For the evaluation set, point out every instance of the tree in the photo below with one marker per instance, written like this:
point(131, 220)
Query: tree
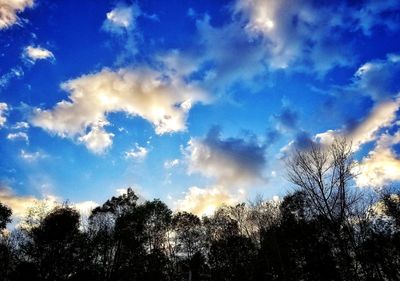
point(5, 259)
point(54, 245)
point(5, 216)
point(188, 244)
point(324, 174)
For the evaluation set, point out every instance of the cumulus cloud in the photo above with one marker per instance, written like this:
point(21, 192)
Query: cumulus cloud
point(136, 153)
point(3, 111)
point(37, 53)
point(204, 201)
point(382, 165)
point(162, 100)
point(231, 161)
point(97, 139)
point(9, 10)
point(18, 136)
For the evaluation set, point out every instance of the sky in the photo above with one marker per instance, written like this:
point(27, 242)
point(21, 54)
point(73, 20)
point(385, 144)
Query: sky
point(196, 103)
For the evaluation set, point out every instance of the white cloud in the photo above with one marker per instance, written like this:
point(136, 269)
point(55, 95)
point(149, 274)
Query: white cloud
point(31, 156)
point(382, 115)
point(121, 18)
point(379, 80)
point(21, 204)
point(382, 165)
point(97, 139)
point(120, 22)
point(37, 53)
point(9, 10)
point(204, 201)
point(169, 164)
point(21, 126)
point(3, 111)
point(137, 153)
point(85, 207)
point(18, 136)
point(158, 98)
point(15, 72)
point(231, 162)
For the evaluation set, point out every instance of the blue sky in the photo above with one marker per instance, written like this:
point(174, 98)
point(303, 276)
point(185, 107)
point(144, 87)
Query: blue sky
point(192, 102)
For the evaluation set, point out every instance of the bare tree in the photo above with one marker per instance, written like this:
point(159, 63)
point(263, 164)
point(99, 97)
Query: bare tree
point(325, 173)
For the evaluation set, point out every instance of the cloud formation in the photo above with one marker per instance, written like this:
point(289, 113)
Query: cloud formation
point(379, 79)
point(231, 161)
point(162, 100)
point(310, 32)
point(37, 53)
point(121, 18)
point(382, 165)
point(3, 111)
point(21, 204)
point(18, 136)
point(31, 156)
point(136, 153)
point(383, 115)
point(13, 73)
point(204, 201)
point(9, 10)
point(169, 164)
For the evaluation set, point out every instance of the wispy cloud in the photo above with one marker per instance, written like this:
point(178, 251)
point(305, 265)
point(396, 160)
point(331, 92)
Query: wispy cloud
point(121, 18)
point(15, 72)
point(31, 156)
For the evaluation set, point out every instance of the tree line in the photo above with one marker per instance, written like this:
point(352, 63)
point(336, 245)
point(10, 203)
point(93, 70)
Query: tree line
point(324, 229)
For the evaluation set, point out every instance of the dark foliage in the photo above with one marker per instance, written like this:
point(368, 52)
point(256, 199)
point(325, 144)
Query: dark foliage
point(322, 232)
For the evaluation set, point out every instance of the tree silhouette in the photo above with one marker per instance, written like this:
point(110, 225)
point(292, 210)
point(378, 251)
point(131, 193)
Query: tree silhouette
point(318, 232)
